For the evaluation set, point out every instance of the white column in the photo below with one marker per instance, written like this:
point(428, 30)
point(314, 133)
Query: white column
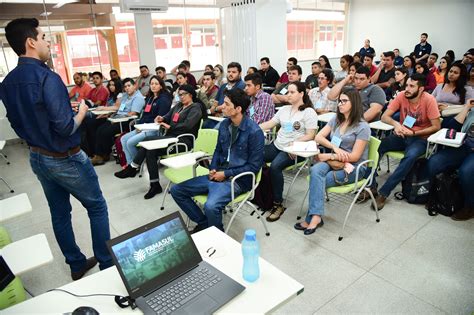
point(146, 44)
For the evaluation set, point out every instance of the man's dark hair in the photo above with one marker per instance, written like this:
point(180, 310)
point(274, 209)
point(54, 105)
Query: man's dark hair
point(18, 31)
point(210, 73)
point(297, 68)
point(182, 66)
point(369, 56)
point(181, 73)
point(356, 54)
point(97, 73)
point(294, 60)
point(435, 54)
point(363, 70)
point(160, 68)
point(266, 59)
point(419, 78)
point(239, 98)
point(256, 79)
point(186, 63)
point(113, 71)
point(316, 63)
point(132, 82)
point(425, 34)
point(329, 75)
point(390, 54)
point(144, 66)
point(235, 65)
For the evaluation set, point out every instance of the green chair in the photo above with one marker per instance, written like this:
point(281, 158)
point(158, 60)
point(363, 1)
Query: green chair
point(239, 201)
point(205, 142)
point(4, 237)
point(358, 186)
point(398, 155)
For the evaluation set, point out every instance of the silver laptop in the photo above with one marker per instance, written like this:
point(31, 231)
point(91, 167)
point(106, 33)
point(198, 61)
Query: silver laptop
point(164, 272)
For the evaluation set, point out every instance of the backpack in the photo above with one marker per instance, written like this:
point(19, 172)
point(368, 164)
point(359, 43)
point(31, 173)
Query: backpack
point(119, 154)
point(445, 195)
point(263, 198)
point(415, 186)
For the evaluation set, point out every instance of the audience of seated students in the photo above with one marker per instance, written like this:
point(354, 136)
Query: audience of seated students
point(181, 79)
point(269, 75)
point(357, 57)
point(185, 66)
point(401, 77)
point(344, 62)
point(251, 70)
point(461, 158)
point(369, 63)
point(81, 88)
point(385, 74)
point(219, 73)
point(373, 97)
point(444, 64)
point(324, 62)
point(207, 68)
point(366, 49)
point(298, 122)
point(279, 96)
point(161, 73)
point(470, 82)
point(432, 63)
point(157, 103)
point(284, 78)
point(261, 108)
point(99, 94)
point(422, 68)
point(419, 118)
point(454, 90)
point(239, 149)
point(319, 95)
point(114, 75)
point(183, 118)
point(102, 134)
point(423, 49)
point(208, 91)
point(347, 136)
point(398, 61)
point(451, 55)
point(143, 80)
point(409, 64)
point(312, 79)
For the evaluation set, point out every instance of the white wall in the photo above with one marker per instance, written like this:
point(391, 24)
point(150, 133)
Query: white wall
point(393, 24)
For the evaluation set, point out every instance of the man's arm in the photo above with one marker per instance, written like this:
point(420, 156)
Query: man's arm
point(279, 99)
point(435, 126)
point(376, 75)
point(336, 89)
point(373, 112)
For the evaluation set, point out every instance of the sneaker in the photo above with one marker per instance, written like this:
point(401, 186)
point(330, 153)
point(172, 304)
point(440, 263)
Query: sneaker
point(463, 215)
point(90, 263)
point(155, 189)
point(97, 160)
point(364, 195)
point(380, 201)
point(129, 171)
point(276, 212)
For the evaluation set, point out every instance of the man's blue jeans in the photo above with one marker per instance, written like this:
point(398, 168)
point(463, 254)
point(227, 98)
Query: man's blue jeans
point(218, 196)
point(456, 158)
point(414, 147)
point(130, 140)
point(74, 175)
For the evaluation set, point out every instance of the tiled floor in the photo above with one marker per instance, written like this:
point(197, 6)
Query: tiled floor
point(408, 263)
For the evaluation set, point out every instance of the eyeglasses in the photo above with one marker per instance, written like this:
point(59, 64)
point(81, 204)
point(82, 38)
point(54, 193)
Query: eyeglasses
point(182, 94)
point(342, 101)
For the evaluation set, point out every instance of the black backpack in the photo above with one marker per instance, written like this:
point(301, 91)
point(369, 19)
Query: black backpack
point(263, 198)
point(445, 195)
point(415, 186)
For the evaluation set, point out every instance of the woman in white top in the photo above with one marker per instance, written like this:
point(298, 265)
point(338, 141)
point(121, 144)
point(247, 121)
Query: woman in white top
point(298, 122)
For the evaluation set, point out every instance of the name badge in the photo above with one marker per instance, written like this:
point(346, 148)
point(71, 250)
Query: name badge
point(283, 91)
point(147, 108)
point(287, 126)
point(336, 141)
point(175, 117)
point(318, 104)
point(176, 97)
point(122, 107)
point(409, 121)
point(251, 111)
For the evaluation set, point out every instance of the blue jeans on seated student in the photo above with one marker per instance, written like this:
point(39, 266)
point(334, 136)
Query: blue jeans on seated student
point(61, 178)
point(218, 196)
point(323, 177)
point(461, 158)
point(130, 140)
point(279, 161)
point(414, 147)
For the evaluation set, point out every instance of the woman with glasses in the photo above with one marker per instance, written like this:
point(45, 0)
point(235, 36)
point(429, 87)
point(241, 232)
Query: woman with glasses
point(185, 117)
point(347, 135)
point(319, 95)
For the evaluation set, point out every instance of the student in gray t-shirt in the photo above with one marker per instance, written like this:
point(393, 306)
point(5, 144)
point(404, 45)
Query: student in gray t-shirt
point(372, 96)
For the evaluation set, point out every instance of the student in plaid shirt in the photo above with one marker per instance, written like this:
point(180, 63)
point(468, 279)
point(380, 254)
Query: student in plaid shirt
point(261, 107)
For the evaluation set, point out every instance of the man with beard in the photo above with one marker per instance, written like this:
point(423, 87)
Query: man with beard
point(419, 118)
point(80, 90)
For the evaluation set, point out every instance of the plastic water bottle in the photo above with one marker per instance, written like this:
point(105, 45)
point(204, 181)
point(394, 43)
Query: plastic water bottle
point(250, 252)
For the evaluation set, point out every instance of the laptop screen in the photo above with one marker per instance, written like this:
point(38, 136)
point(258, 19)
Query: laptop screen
point(154, 254)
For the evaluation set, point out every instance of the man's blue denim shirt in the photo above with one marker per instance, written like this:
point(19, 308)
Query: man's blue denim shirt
point(246, 153)
point(38, 106)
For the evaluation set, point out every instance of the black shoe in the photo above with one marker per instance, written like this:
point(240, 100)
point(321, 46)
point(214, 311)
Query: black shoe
point(299, 227)
point(90, 263)
point(311, 231)
point(197, 228)
point(155, 189)
point(129, 171)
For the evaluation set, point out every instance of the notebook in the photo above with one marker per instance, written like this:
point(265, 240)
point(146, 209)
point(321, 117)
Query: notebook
point(164, 272)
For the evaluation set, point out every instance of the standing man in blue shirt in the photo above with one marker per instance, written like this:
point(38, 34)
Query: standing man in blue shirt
point(39, 111)
point(423, 49)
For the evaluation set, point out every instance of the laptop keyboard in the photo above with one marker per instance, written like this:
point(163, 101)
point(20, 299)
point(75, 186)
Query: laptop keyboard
point(183, 291)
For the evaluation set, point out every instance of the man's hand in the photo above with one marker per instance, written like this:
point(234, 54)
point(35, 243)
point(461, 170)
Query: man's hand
point(218, 176)
point(402, 131)
point(83, 108)
point(442, 106)
point(165, 125)
point(158, 119)
point(470, 103)
point(349, 79)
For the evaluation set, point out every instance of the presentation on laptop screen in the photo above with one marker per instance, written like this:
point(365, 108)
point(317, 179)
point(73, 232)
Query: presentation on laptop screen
point(153, 252)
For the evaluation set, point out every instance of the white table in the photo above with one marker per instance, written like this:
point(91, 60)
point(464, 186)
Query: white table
point(147, 127)
point(183, 160)
point(102, 112)
point(121, 120)
point(439, 137)
point(380, 128)
point(273, 289)
point(157, 144)
point(326, 117)
point(14, 206)
point(219, 119)
point(27, 254)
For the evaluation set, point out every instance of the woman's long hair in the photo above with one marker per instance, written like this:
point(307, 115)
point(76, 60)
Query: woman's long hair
point(118, 88)
point(460, 84)
point(357, 110)
point(301, 87)
point(162, 90)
